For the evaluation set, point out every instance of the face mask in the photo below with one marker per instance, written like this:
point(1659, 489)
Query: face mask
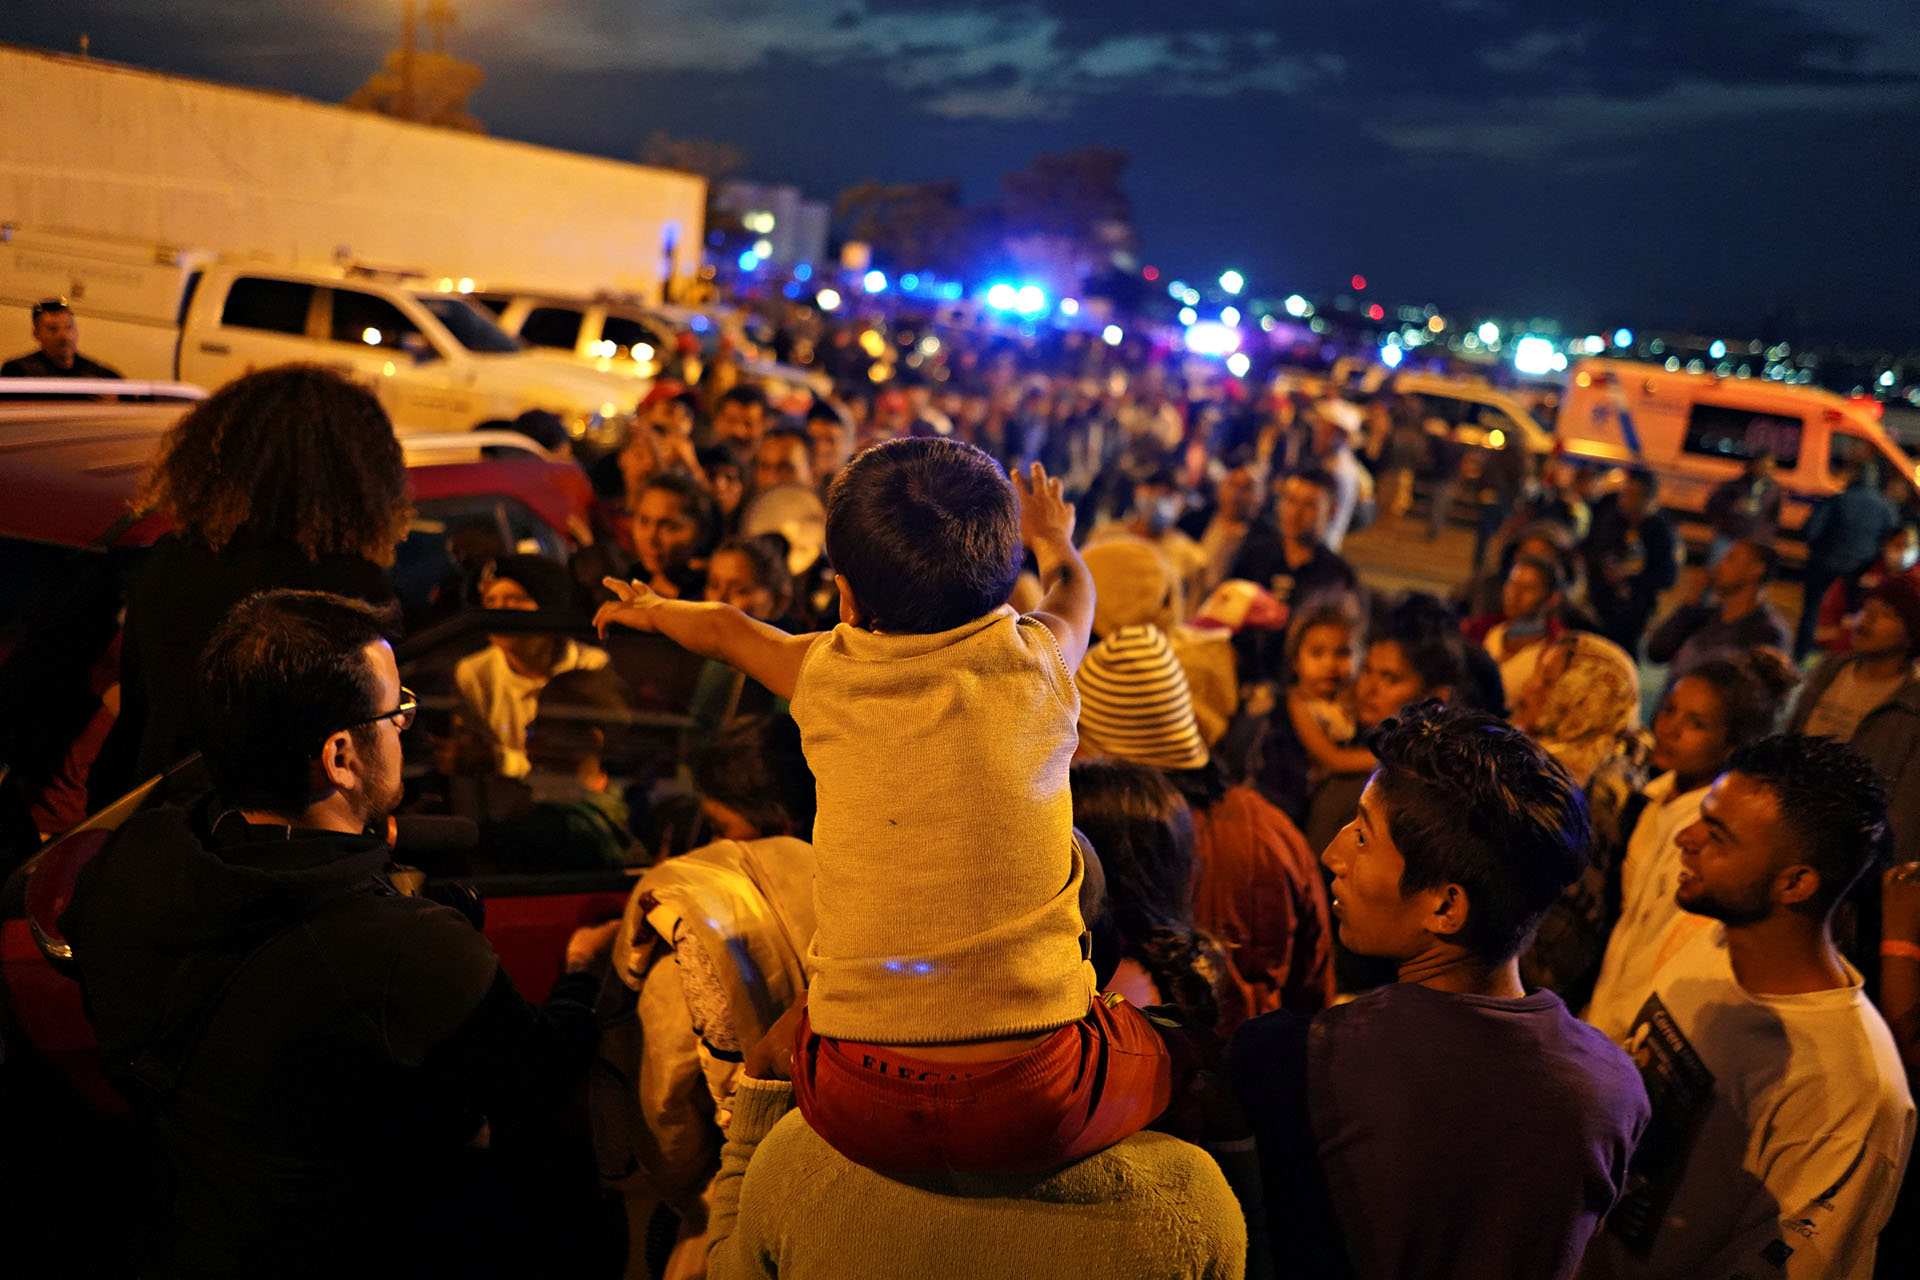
point(1526, 628)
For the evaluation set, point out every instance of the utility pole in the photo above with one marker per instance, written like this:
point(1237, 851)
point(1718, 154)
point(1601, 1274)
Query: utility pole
point(407, 42)
point(439, 18)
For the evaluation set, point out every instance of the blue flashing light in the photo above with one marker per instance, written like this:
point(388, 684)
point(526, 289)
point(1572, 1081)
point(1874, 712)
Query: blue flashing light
point(1031, 299)
point(749, 261)
point(1002, 296)
point(1391, 355)
point(803, 272)
point(1188, 315)
point(952, 291)
point(875, 282)
point(699, 324)
point(791, 288)
point(1211, 338)
point(909, 282)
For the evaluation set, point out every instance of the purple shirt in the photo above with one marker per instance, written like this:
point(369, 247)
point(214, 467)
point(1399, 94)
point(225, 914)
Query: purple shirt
point(1413, 1133)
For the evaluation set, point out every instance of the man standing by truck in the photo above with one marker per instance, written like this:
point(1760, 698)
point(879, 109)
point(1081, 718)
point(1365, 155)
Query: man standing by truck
point(58, 334)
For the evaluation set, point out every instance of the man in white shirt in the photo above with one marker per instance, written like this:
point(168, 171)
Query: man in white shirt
point(500, 685)
point(1782, 1120)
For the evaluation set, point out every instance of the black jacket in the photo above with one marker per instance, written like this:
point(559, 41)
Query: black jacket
point(183, 591)
point(317, 1051)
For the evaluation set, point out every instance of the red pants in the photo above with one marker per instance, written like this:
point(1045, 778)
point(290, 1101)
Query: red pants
point(1084, 1088)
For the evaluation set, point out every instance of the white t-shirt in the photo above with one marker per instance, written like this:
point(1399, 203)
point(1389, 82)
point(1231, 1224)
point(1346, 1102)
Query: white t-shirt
point(1781, 1126)
point(505, 700)
point(1649, 875)
point(1517, 667)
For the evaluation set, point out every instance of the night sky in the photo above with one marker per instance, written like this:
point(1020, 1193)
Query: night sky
point(1640, 162)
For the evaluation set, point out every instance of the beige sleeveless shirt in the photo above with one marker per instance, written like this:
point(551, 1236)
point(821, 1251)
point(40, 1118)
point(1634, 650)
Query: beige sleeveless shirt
point(947, 896)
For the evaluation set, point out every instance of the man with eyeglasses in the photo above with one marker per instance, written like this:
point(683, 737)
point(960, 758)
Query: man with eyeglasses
point(342, 1078)
point(58, 334)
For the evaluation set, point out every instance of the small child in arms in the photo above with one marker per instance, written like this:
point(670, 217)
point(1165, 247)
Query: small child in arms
point(951, 1018)
point(1323, 646)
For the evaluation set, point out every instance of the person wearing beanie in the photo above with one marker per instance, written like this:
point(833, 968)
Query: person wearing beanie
point(500, 685)
point(1870, 698)
point(1135, 704)
point(1258, 889)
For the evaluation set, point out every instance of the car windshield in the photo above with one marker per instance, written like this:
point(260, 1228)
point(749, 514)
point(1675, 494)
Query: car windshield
point(471, 327)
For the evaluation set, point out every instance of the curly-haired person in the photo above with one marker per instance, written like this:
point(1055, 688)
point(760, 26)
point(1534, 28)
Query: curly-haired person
point(288, 477)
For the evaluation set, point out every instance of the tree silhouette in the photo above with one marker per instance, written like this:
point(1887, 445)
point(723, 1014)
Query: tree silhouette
point(442, 84)
point(912, 226)
point(1076, 196)
point(710, 159)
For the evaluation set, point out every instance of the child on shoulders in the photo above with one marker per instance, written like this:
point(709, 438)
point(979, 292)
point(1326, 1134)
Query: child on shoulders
point(951, 1018)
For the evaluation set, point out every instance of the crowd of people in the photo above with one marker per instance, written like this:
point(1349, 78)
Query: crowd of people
point(1103, 879)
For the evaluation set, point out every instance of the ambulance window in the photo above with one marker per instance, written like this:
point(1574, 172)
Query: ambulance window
point(1844, 451)
point(1719, 431)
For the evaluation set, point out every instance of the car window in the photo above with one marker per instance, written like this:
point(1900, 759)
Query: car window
point(276, 306)
point(493, 302)
point(368, 319)
point(626, 335)
point(580, 770)
point(1448, 409)
point(448, 538)
point(471, 325)
point(1844, 451)
point(552, 327)
point(1721, 431)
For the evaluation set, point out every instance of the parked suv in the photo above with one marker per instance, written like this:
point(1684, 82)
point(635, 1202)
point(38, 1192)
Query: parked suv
point(436, 361)
point(621, 335)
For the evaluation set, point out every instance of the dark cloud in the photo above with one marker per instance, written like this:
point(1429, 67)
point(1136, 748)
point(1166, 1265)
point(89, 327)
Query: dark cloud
point(1613, 158)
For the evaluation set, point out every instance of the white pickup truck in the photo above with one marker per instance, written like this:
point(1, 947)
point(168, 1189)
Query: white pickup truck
point(437, 361)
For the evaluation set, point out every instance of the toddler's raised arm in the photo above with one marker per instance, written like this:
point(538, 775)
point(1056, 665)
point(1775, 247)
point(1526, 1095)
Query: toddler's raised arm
point(1046, 526)
point(719, 631)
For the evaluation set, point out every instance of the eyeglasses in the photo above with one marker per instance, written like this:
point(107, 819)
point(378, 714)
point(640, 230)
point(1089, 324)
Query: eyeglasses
point(402, 715)
point(51, 305)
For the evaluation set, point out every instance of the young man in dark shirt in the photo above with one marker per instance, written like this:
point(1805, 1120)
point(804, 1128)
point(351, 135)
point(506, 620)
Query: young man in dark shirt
point(59, 355)
point(1449, 1124)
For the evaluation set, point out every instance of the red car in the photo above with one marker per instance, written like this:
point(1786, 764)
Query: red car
point(68, 545)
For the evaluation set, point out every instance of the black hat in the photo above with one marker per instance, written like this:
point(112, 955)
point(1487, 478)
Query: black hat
point(540, 577)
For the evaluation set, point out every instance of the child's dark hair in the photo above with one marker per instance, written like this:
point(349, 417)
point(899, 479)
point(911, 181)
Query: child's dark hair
point(927, 532)
point(1329, 609)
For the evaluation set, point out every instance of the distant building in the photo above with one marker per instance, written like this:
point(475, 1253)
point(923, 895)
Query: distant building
point(794, 228)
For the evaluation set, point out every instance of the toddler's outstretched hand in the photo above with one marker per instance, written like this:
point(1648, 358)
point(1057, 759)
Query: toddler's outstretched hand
point(634, 608)
point(1045, 514)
